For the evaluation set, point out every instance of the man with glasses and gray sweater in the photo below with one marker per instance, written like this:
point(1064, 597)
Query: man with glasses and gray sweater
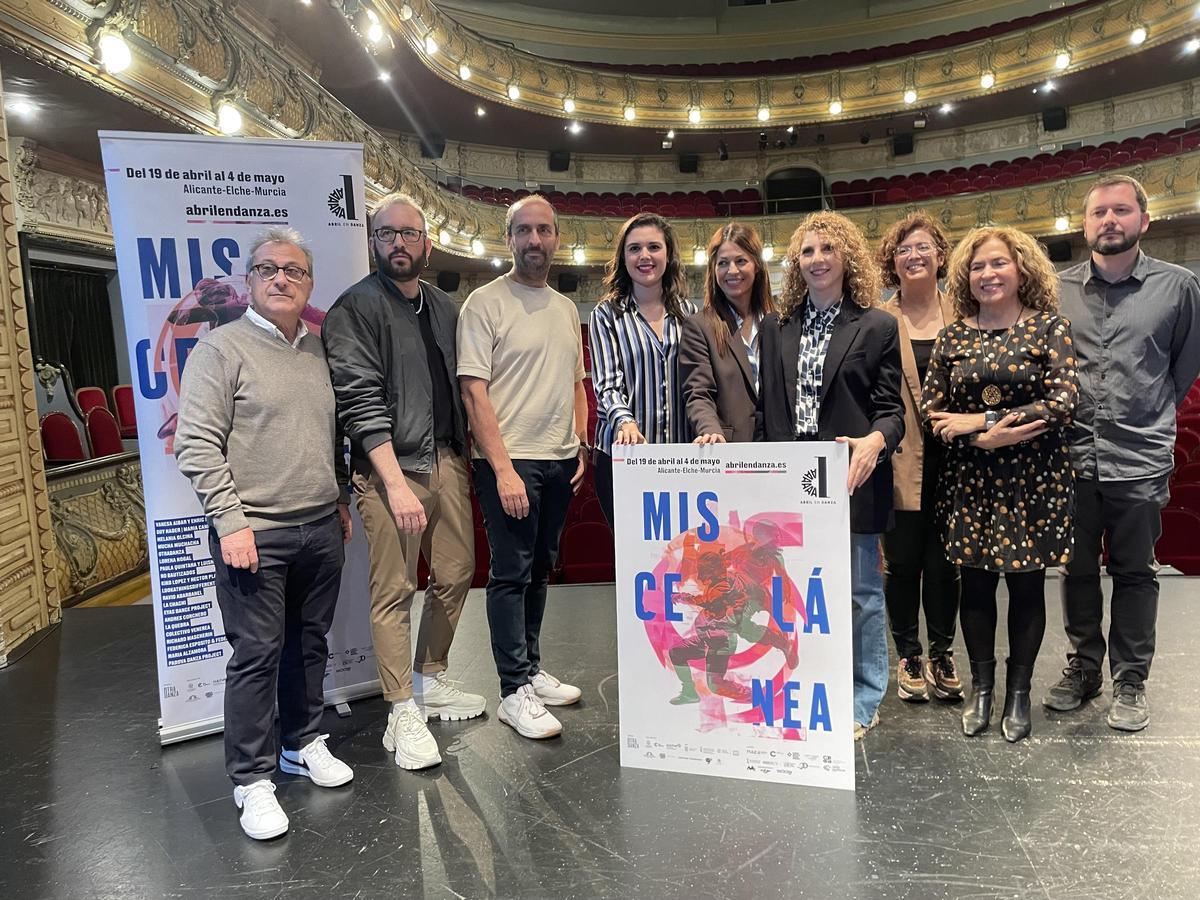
point(257, 437)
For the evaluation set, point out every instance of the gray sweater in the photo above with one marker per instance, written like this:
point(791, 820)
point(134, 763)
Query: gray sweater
point(257, 432)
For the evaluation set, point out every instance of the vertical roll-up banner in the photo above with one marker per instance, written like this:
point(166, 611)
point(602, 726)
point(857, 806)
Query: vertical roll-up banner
point(185, 209)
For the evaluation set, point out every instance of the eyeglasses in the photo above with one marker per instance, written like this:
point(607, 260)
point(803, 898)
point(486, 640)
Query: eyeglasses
point(386, 235)
point(906, 250)
point(267, 271)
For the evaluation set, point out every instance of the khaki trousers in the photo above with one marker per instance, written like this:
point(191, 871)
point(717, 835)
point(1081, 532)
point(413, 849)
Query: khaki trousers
point(448, 545)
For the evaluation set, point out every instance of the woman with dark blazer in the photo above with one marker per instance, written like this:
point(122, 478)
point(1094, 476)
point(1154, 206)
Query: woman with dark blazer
point(912, 257)
point(831, 371)
point(719, 349)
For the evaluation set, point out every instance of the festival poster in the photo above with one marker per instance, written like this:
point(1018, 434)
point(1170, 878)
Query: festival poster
point(733, 611)
point(185, 209)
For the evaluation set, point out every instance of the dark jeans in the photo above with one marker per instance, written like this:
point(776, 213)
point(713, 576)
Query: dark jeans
point(1125, 516)
point(603, 478)
point(523, 553)
point(916, 573)
point(1026, 613)
point(276, 621)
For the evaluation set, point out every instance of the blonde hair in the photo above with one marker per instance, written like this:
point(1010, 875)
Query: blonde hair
point(1038, 287)
point(862, 283)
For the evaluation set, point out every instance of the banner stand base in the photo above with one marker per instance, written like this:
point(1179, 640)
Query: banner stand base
point(339, 698)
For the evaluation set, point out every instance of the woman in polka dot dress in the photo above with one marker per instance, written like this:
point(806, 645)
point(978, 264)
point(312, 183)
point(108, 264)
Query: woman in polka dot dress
point(1000, 391)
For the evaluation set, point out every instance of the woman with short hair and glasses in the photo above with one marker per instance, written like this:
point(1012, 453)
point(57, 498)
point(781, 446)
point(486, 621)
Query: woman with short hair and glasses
point(635, 331)
point(912, 257)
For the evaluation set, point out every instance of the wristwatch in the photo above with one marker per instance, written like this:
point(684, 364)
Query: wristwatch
point(991, 418)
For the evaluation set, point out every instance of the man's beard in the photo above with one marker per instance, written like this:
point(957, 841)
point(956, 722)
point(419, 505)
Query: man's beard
point(534, 271)
point(399, 267)
point(1111, 249)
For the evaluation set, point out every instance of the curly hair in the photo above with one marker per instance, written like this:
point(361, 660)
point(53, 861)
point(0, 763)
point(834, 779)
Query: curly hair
point(618, 285)
point(717, 310)
point(862, 283)
point(920, 220)
point(1038, 287)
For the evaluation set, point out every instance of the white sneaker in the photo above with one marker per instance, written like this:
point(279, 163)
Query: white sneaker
point(553, 692)
point(315, 761)
point(439, 699)
point(409, 738)
point(526, 713)
point(262, 817)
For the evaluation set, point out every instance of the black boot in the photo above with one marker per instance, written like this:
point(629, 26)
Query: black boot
point(1016, 725)
point(977, 716)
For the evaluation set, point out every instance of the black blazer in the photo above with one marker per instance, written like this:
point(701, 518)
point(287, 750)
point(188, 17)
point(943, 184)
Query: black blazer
point(719, 392)
point(860, 393)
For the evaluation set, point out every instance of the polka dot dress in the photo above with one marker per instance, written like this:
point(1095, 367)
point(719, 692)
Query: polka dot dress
point(1008, 509)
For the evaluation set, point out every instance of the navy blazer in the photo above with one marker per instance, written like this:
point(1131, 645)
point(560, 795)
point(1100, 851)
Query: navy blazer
point(860, 393)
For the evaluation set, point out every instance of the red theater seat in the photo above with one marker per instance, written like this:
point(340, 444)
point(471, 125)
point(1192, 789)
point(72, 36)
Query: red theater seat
point(1188, 473)
point(126, 411)
point(1186, 496)
point(89, 398)
point(103, 433)
point(587, 554)
point(1179, 545)
point(60, 439)
point(1188, 441)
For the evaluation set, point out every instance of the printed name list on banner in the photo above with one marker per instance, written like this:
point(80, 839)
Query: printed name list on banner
point(185, 210)
point(733, 611)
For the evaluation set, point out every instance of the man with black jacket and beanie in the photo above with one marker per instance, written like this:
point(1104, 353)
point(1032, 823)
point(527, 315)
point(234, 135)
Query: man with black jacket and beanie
point(390, 340)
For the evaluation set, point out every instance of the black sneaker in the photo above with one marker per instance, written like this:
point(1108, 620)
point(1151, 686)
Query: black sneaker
point(1076, 685)
point(1129, 710)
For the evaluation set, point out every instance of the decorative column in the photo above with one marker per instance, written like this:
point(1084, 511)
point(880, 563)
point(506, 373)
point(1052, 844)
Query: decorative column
point(28, 591)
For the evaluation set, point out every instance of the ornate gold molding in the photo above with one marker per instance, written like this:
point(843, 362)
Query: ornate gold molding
point(59, 206)
point(1091, 37)
point(99, 515)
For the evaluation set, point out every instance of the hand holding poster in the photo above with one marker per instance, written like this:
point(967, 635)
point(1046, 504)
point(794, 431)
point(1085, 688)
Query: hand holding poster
point(733, 611)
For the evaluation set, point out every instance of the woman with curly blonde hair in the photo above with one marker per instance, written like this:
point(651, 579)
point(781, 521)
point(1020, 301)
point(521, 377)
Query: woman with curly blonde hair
point(831, 371)
point(1000, 393)
point(912, 256)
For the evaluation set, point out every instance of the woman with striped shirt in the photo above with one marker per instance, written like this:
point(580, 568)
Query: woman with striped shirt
point(635, 332)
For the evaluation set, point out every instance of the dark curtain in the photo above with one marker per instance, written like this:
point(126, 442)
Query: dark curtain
point(72, 322)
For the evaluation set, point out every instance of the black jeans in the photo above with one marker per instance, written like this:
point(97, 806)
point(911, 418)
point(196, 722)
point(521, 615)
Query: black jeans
point(276, 621)
point(602, 474)
point(523, 554)
point(916, 573)
point(1026, 613)
point(1125, 515)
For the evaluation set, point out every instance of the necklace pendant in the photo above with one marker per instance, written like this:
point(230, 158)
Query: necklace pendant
point(992, 395)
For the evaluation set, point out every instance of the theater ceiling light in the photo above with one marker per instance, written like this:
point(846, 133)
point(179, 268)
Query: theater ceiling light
point(568, 105)
point(20, 106)
point(630, 113)
point(464, 72)
point(910, 96)
point(1192, 46)
point(480, 111)
point(477, 247)
point(375, 32)
point(987, 81)
point(575, 128)
point(431, 45)
point(764, 113)
point(694, 116)
point(115, 55)
point(514, 92)
point(1138, 36)
point(946, 108)
point(699, 257)
point(768, 253)
point(406, 12)
point(385, 77)
point(229, 118)
point(671, 135)
point(579, 255)
point(1062, 223)
point(1062, 60)
point(444, 238)
point(835, 107)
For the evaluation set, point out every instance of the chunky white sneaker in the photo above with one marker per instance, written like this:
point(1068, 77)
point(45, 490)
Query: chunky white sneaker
point(409, 738)
point(439, 699)
point(262, 817)
point(315, 761)
point(553, 692)
point(526, 713)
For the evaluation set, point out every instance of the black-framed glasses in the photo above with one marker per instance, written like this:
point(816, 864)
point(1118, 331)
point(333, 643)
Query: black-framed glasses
point(386, 235)
point(906, 250)
point(267, 271)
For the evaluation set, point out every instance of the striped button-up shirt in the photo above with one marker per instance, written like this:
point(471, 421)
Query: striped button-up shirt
point(751, 344)
point(815, 332)
point(636, 375)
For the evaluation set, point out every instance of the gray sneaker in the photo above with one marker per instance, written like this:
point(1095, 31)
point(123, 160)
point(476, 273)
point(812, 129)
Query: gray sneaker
point(1129, 710)
point(1076, 685)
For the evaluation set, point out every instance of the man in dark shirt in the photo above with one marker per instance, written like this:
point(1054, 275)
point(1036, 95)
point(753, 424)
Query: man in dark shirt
point(390, 344)
point(1135, 322)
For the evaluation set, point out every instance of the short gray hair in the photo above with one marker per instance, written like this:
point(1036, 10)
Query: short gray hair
point(280, 234)
point(528, 198)
point(397, 198)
